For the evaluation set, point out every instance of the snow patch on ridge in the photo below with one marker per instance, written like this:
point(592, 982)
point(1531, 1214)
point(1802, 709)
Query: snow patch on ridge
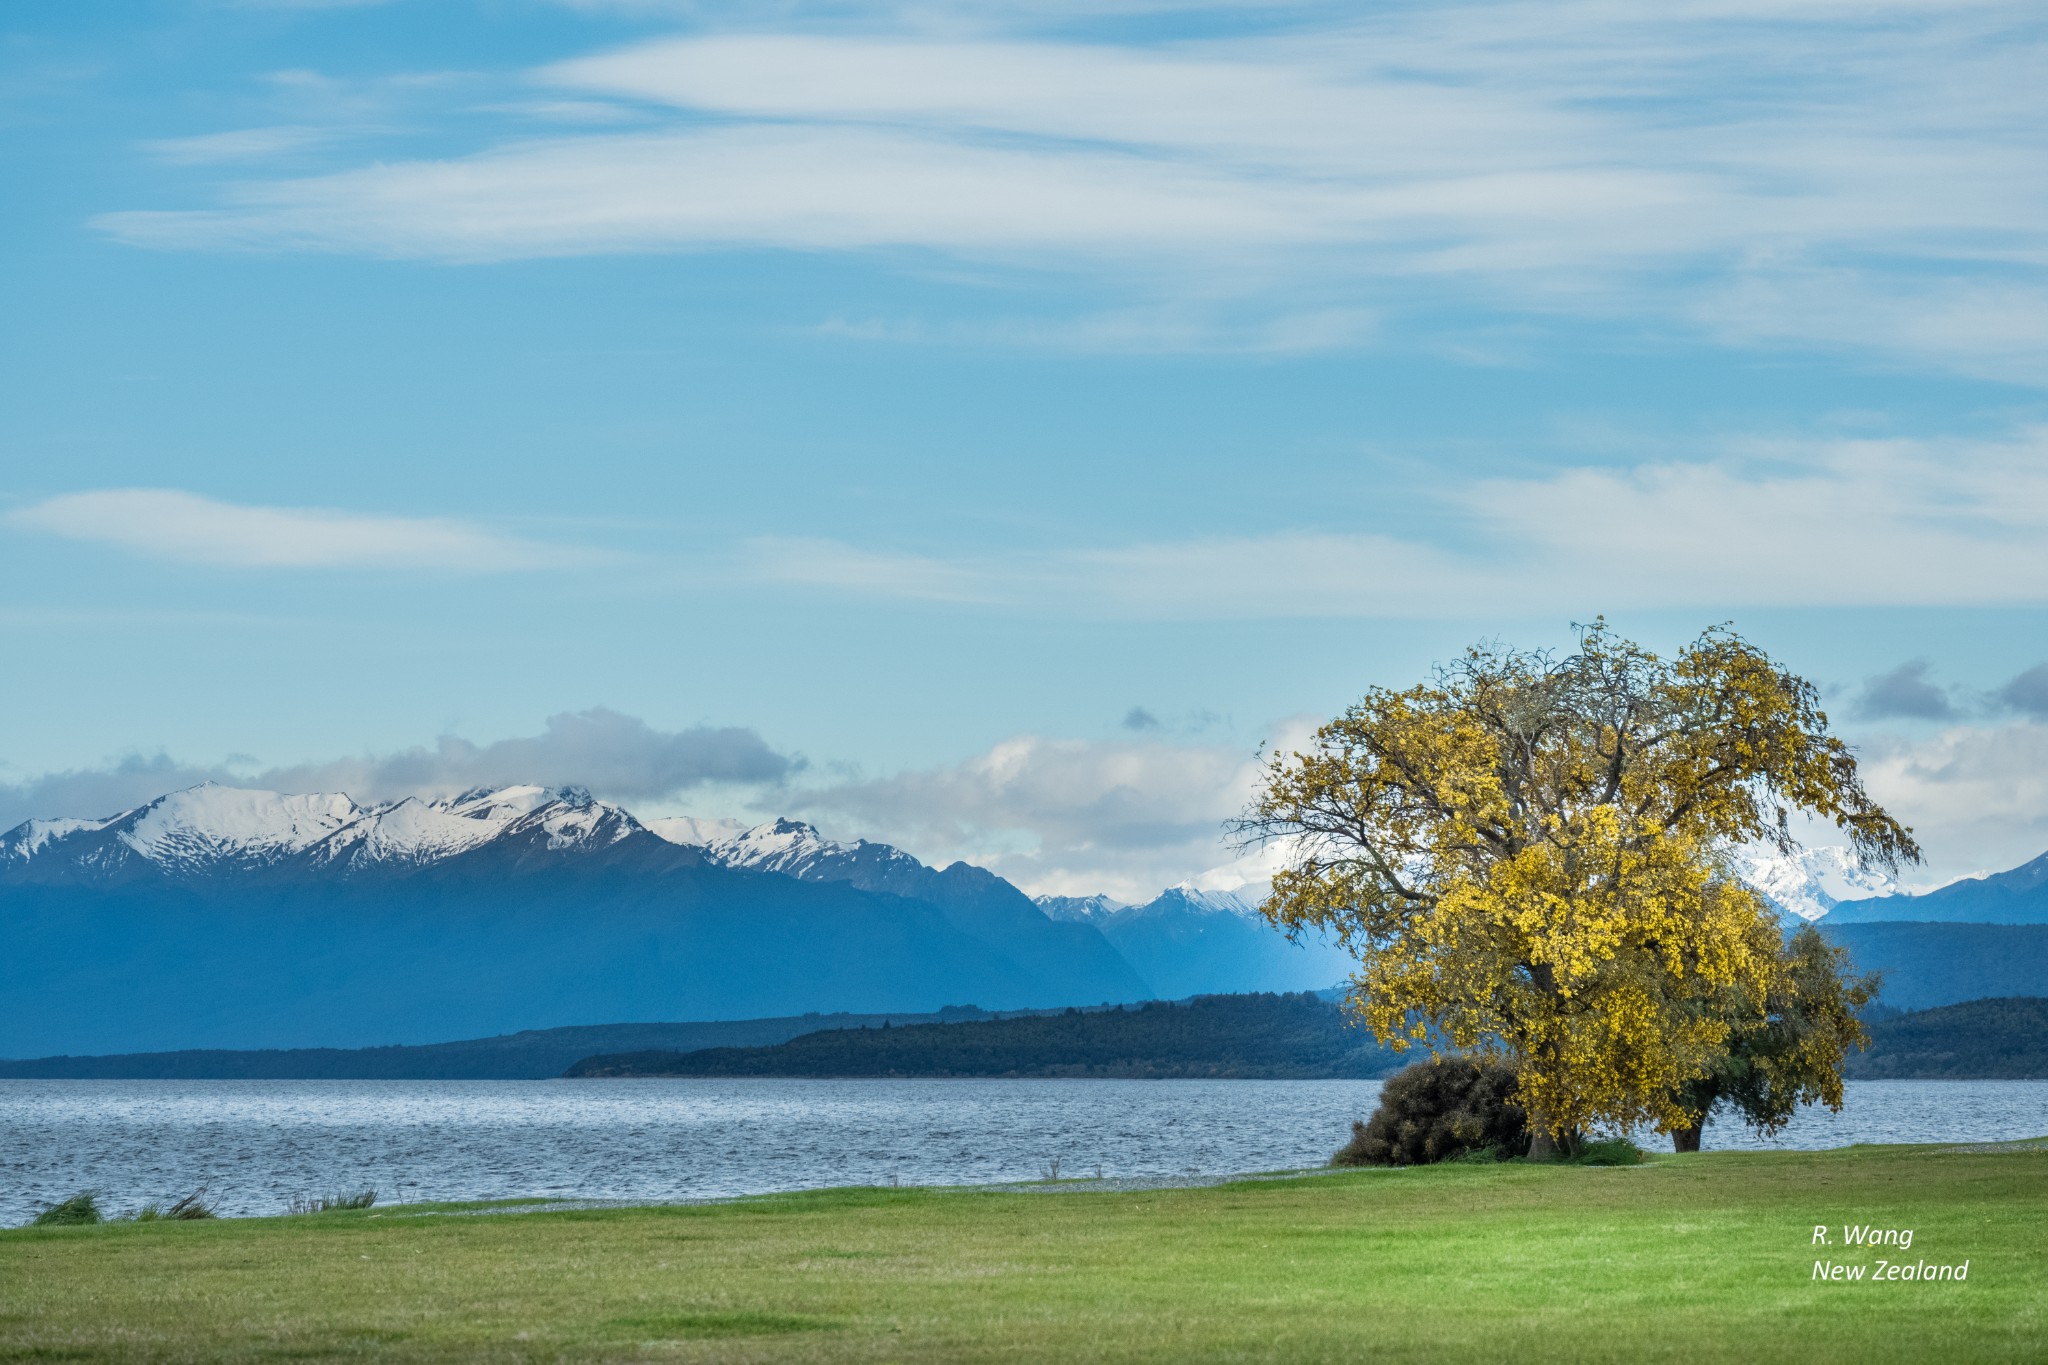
point(411, 831)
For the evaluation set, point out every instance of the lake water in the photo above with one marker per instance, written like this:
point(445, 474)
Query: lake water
point(255, 1145)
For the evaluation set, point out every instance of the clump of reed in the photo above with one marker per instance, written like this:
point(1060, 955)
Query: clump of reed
point(85, 1208)
point(328, 1203)
point(80, 1208)
point(192, 1206)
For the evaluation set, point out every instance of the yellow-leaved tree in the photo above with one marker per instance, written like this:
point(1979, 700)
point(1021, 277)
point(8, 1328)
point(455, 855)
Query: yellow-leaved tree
point(1531, 855)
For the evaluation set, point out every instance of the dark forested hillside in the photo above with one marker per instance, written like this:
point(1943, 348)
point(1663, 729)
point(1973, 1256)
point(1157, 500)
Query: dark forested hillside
point(1274, 1037)
point(1980, 1039)
point(534, 1054)
point(1240, 1036)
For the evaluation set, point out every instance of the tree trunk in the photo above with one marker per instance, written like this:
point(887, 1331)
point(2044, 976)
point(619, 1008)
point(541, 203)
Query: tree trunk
point(1686, 1139)
point(1542, 1146)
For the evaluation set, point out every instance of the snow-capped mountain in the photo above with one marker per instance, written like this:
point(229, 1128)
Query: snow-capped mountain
point(1186, 897)
point(796, 849)
point(204, 826)
point(1195, 940)
point(974, 899)
point(1191, 898)
point(211, 829)
point(416, 832)
point(1079, 909)
point(222, 917)
point(1812, 881)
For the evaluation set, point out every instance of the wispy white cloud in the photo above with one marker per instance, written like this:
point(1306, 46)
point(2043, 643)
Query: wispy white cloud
point(1770, 523)
point(1726, 164)
point(809, 562)
point(790, 187)
point(299, 4)
point(170, 524)
point(1179, 329)
point(1993, 323)
point(238, 144)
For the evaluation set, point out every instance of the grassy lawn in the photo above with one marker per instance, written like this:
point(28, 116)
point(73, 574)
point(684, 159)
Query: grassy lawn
point(1702, 1258)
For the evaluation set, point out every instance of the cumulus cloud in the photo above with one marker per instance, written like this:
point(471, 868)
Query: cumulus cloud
point(614, 755)
point(165, 523)
point(1765, 523)
point(1061, 816)
point(1129, 817)
point(1577, 155)
point(2028, 692)
point(1907, 693)
point(1976, 796)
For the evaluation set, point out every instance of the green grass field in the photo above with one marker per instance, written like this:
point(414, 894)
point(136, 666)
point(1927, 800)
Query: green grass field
point(1705, 1258)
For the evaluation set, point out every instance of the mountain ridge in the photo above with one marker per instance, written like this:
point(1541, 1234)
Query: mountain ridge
point(220, 917)
point(210, 830)
point(231, 918)
point(2016, 896)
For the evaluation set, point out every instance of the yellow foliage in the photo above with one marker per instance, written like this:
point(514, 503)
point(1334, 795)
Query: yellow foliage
point(1530, 855)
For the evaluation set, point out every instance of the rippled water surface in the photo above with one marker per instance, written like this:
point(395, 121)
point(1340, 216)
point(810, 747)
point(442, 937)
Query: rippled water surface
point(256, 1144)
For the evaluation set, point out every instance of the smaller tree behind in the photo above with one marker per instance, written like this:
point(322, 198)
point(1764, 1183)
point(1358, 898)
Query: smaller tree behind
point(1790, 1051)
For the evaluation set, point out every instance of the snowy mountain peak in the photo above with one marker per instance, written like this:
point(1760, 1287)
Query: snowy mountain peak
point(781, 845)
point(1810, 882)
point(29, 838)
point(576, 820)
point(507, 803)
point(1079, 909)
point(211, 824)
point(794, 848)
point(409, 831)
point(1233, 902)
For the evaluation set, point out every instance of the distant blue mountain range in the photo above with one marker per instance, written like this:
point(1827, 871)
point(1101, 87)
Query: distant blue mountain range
point(217, 917)
point(1190, 942)
point(223, 918)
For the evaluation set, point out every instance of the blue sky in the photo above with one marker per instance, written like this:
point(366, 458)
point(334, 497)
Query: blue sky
point(983, 426)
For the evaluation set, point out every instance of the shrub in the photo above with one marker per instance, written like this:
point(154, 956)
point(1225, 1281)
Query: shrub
point(1440, 1110)
point(1611, 1152)
point(83, 1207)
